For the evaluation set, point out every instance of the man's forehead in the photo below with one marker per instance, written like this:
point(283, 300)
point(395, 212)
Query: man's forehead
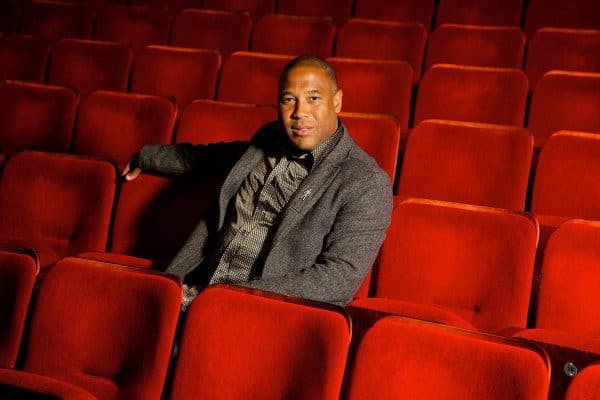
point(308, 77)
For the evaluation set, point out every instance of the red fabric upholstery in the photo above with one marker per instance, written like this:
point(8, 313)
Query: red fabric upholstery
point(106, 329)
point(425, 312)
point(566, 177)
point(23, 58)
point(170, 4)
point(35, 116)
point(56, 204)
point(56, 20)
point(9, 17)
point(498, 12)
point(564, 49)
point(378, 135)
point(207, 121)
point(88, 65)
point(251, 77)
point(364, 38)
point(115, 125)
point(204, 29)
point(121, 259)
point(20, 384)
point(484, 46)
point(565, 339)
point(476, 94)
point(397, 10)
point(136, 26)
point(18, 273)
point(236, 344)
point(474, 261)
point(568, 297)
point(399, 358)
point(183, 73)
point(295, 35)
point(472, 163)
point(338, 10)
point(375, 86)
point(154, 216)
point(586, 385)
point(564, 100)
point(578, 14)
point(256, 8)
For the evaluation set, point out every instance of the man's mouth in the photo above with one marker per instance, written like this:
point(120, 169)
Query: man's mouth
point(301, 130)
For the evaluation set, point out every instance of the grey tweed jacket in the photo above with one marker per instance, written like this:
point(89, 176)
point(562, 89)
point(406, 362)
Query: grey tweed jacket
point(328, 235)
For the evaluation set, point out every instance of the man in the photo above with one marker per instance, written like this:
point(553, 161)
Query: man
point(302, 210)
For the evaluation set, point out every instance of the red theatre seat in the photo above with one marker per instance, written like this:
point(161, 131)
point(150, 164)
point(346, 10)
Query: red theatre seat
point(576, 14)
point(566, 305)
point(471, 163)
point(295, 35)
point(461, 265)
point(172, 5)
point(18, 274)
point(397, 10)
point(586, 384)
point(339, 10)
point(115, 125)
point(375, 86)
point(475, 94)
point(36, 116)
point(135, 26)
point(207, 121)
point(386, 40)
point(378, 135)
point(56, 204)
point(101, 331)
point(478, 45)
point(289, 349)
point(182, 73)
point(400, 358)
point(203, 29)
point(564, 100)
point(563, 49)
point(566, 177)
point(475, 12)
point(88, 65)
point(23, 58)
point(259, 73)
point(55, 20)
point(256, 8)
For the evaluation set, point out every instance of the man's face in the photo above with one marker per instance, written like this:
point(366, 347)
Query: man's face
point(308, 106)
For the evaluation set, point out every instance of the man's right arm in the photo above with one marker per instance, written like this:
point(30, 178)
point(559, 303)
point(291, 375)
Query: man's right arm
point(185, 159)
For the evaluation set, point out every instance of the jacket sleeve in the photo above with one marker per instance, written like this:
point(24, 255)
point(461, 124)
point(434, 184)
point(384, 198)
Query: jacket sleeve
point(349, 250)
point(179, 159)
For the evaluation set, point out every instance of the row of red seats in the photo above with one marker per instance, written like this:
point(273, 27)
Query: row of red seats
point(536, 13)
point(560, 100)
point(481, 281)
point(76, 347)
point(113, 125)
point(493, 46)
point(74, 211)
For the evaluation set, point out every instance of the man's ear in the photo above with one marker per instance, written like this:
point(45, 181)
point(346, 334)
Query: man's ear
point(337, 101)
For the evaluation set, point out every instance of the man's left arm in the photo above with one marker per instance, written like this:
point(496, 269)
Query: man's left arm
point(349, 249)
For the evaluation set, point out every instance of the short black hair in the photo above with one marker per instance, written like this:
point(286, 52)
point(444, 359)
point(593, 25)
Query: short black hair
point(311, 61)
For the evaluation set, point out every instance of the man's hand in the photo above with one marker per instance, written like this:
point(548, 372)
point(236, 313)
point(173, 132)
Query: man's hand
point(131, 170)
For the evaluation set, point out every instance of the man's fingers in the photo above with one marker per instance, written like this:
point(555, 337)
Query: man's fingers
point(131, 175)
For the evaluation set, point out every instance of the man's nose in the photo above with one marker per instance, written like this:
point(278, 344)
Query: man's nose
point(300, 109)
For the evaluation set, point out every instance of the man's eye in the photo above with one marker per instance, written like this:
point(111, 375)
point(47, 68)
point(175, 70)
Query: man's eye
point(314, 98)
point(287, 100)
